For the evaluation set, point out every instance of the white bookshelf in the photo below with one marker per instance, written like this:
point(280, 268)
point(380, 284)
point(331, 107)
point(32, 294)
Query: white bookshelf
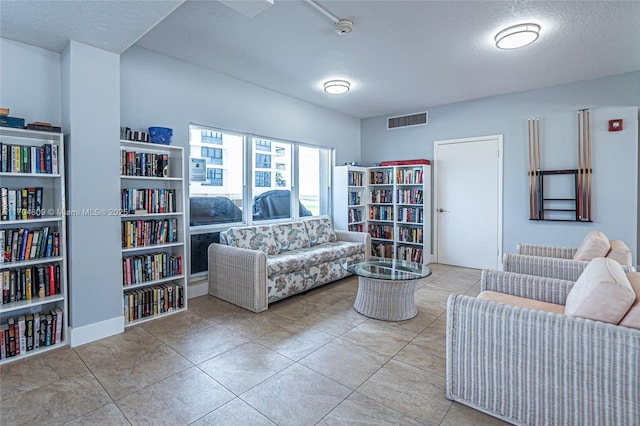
point(349, 198)
point(150, 268)
point(16, 302)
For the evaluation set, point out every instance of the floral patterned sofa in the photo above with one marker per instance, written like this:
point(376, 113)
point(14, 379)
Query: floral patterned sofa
point(257, 265)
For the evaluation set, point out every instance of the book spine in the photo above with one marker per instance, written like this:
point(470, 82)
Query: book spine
point(22, 337)
point(36, 330)
point(49, 330)
point(54, 159)
point(29, 333)
point(3, 343)
point(12, 337)
point(2, 237)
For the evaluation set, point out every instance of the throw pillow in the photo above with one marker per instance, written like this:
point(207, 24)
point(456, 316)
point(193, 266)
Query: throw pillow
point(320, 230)
point(291, 236)
point(254, 238)
point(632, 318)
point(620, 252)
point(602, 292)
point(595, 244)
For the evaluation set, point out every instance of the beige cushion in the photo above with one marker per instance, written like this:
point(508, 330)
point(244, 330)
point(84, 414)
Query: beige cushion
point(522, 302)
point(602, 292)
point(595, 244)
point(632, 318)
point(620, 252)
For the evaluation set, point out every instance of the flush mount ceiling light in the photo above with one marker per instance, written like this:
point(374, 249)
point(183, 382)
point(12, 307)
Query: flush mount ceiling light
point(337, 87)
point(517, 36)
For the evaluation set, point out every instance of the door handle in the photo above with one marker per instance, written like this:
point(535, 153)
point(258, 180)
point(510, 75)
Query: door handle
point(443, 211)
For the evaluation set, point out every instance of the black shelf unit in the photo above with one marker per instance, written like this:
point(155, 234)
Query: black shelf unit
point(542, 200)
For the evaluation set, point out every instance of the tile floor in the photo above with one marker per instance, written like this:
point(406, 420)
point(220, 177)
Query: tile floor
point(310, 359)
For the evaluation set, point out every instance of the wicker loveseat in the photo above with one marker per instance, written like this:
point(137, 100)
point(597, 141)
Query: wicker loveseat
point(257, 265)
point(536, 367)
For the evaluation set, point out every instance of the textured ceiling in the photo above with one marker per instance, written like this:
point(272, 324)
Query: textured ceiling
point(402, 56)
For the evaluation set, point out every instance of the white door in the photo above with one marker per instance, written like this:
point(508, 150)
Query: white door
point(468, 202)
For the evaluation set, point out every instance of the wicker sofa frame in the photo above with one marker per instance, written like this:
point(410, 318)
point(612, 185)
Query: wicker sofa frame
point(239, 275)
point(531, 367)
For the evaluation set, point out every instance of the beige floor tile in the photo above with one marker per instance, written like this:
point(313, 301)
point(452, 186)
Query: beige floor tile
point(55, 403)
point(473, 291)
point(109, 415)
point(409, 390)
point(242, 368)
point(179, 323)
point(345, 362)
point(209, 307)
point(130, 361)
point(296, 396)
point(202, 344)
point(254, 325)
point(295, 342)
point(39, 370)
point(452, 285)
point(462, 415)
point(421, 353)
point(297, 307)
point(234, 413)
point(180, 399)
point(384, 340)
point(335, 322)
point(357, 409)
point(413, 325)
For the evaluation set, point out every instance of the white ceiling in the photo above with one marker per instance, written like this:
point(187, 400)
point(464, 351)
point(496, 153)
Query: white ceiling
point(402, 56)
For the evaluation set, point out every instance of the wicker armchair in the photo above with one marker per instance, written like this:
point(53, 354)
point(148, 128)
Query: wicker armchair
point(533, 367)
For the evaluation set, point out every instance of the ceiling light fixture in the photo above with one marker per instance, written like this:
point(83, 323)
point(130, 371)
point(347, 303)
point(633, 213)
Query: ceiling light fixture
point(517, 36)
point(337, 87)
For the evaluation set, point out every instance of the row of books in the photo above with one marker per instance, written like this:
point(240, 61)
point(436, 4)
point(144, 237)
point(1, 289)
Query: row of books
point(355, 215)
point(384, 232)
point(29, 332)
point(381, 177)
point(411, 254)
point(354, 198)
point(411, 214)
point(409, 177)
point(381, 196)
point(20, 204)
point(141, 233)
point(150, 301)
point(144, 164)
point(148, 200)
point(382, 250)
point(380, 213)
point(30, 282)
point(410, 196)
point(150, 267)
point(358, 227)
point(18, 244)
point(410, 235)
point(28, 158)
point(355, 179)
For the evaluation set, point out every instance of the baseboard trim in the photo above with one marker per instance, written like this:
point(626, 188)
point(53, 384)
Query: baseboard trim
point(197, 289)
point(96, 331)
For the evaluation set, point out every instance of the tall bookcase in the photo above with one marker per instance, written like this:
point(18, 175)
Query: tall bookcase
point(154, 263)
point(33, 259)
point(395, 202)
point(350, 198)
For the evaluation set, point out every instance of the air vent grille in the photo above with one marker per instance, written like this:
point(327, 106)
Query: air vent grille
point(418, 119)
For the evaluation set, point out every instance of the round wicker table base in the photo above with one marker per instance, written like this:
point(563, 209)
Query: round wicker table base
point(386, 300)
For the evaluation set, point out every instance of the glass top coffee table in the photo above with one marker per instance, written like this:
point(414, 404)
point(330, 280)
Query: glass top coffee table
point(386, 287)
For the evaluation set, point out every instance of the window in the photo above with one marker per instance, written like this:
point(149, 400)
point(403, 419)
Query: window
point(209, 136)
point(212, 155)
point(263, 161)
point(263, 179)
point(214, 177)
point(314, 191)
point(238, 178)
point(263, 145)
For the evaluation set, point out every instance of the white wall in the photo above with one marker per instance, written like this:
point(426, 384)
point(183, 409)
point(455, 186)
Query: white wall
point(157, 90)
point(614, 155)
point(30, 82)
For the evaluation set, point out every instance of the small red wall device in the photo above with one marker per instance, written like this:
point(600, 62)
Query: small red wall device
point(615, 125)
